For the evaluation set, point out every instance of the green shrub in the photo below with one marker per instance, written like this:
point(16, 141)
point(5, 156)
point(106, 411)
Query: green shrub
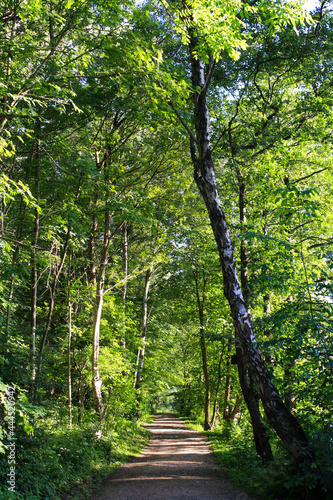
point(60, 458)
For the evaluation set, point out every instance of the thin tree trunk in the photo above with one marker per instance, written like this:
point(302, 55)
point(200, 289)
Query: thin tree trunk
point(55, 283)
point(80, 386)
point(235, 413)
point(284, 423)
point(91, 250)
point(206, 378)
point(201, 310)
point(217, 389)
point(243, 245)
point(34, 273)
point(100, 281)
point(261, 439)
point(96, 380)
point(143, 331)
point(2, 218)
point(289, 395)
point(15, 259)
point(52, 300)
point(8, 317)
point(80, 404)
point(92, 237)
point(69, 343)
point(227, 387)
point(124, 291)
point(33, 314)
point(230, 415)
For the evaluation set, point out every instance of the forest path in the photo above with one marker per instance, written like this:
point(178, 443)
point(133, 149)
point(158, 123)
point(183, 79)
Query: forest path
point(177, 464)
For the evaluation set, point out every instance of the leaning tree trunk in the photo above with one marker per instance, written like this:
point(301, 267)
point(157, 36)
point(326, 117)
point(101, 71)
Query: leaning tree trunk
point(259, 430)
point(284, 423)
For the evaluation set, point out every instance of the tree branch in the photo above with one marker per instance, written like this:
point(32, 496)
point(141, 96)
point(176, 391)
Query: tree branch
point(180, 118)
point(307, 176)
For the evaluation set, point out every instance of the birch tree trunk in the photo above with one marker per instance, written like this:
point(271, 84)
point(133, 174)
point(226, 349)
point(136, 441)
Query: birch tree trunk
point(284, 423)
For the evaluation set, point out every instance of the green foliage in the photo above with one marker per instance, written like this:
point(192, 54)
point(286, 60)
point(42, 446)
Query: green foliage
point(9, 189)
point(18, 415)
point(58, 459)
point(225, 27)
point(234, 451)
point(95, 104)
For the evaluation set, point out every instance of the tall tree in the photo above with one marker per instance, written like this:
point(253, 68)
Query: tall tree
point(199, 34)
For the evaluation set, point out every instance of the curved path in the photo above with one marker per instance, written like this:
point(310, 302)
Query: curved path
point(177, 464)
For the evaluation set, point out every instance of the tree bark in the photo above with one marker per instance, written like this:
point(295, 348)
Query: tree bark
point(259, 430)
point(284, 423)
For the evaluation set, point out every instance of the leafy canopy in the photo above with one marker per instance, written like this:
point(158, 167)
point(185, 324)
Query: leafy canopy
point(231, 26)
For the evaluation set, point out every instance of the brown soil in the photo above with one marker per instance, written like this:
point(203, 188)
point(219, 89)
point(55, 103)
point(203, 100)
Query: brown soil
point(177, 464)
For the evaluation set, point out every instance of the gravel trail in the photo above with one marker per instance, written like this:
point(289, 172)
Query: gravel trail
point(177, 464)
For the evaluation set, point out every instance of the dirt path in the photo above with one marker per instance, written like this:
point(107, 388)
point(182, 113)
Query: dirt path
point(177, 465)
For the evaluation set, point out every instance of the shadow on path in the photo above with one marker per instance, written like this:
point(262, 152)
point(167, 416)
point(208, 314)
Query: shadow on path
point(177, 464)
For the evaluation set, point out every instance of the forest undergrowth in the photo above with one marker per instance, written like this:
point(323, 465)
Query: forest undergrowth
point(234, 450)
point(62, 462)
